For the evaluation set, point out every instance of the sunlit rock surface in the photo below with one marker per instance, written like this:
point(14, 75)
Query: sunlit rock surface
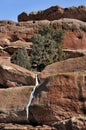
point(59, 97)
point(14, 74)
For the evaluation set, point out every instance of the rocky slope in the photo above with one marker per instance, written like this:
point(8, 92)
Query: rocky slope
point(14, 35)
point(13, 103)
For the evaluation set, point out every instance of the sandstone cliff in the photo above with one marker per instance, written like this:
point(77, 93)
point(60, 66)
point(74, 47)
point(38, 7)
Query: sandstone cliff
point(60, 99)
point(55, 13)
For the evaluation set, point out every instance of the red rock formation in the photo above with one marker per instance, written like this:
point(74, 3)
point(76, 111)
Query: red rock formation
point(13, 103)
point(74, 40)
point(19, 34)
point(55, 13)
point(59, 97)
point(16, 45)
point(69, 65)
point(14, 75)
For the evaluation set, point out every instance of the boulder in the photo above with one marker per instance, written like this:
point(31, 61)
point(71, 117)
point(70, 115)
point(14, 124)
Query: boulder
point(13, 102)
point(11, 74)
point(69, 65)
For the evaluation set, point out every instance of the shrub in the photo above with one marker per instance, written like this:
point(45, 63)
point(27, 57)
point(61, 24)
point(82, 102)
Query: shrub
point(20, 57)
point(47, 47)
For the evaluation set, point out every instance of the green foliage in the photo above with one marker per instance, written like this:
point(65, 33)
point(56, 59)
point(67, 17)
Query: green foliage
point(47, 47)
point(20, 57)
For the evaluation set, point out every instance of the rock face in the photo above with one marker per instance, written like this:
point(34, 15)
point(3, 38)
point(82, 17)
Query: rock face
point(13, 103)
point(69, 65)
point(74, 36)
point(12, 75)
point(55, 13)
point(59, 97)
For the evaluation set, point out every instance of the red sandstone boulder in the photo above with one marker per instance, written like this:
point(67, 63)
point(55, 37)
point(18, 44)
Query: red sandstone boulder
point(14, 75)
point(69, 65)
point(13, 102)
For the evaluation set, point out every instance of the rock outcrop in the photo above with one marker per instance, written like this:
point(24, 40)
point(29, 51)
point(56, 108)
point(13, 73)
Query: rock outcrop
point(16, 45)
point(55, 13)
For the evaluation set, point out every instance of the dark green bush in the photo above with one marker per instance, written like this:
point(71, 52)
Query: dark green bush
point(47, 47)
point(20, 57)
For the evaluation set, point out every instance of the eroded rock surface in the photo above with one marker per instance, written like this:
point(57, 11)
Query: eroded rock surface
point(69, 65)
point(55, 13)
point(13, 103)
point(14, 35)
point(59, 97)
point(14, 75)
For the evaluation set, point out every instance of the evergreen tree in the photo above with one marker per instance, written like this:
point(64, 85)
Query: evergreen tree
point(20, 57)
point(47, 47)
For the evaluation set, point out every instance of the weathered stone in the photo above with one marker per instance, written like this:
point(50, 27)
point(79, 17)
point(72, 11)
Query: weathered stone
point(14, 74)
point(71, 124)
point(22, 32)
point(69, 65)
point(59, 97)
point(55, 13)
point(13, 103)
point(18, 44)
